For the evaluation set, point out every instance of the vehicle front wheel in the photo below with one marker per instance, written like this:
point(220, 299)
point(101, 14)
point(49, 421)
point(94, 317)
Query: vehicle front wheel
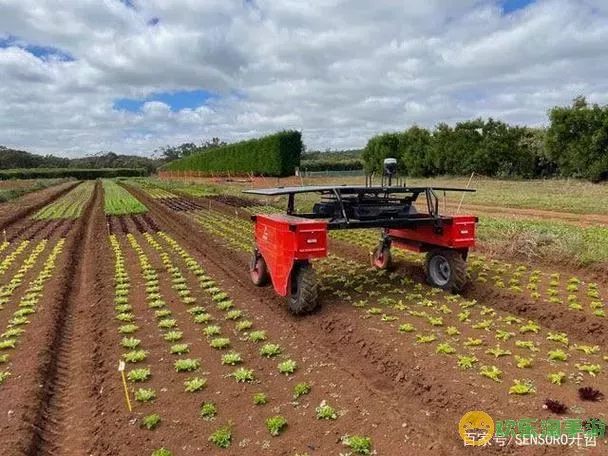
point(258, 270)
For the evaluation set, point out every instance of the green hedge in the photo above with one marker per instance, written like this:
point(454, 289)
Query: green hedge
point(83, 174)
point(274, 155)
point(331, 165)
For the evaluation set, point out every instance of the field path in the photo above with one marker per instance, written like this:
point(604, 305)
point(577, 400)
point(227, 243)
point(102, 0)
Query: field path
point(584, 220)
point(62, 423)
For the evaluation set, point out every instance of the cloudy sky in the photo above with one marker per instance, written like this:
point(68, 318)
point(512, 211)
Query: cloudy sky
point(80, 76)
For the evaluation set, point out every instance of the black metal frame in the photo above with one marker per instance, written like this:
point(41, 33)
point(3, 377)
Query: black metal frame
point(368, 194)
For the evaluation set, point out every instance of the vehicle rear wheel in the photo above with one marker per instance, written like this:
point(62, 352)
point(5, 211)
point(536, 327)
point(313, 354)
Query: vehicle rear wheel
point(382, 258)
point(258, 270)
point(446, 269)
point(303, 297)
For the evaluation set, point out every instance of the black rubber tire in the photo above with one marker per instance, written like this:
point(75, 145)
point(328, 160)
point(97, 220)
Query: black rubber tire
point(457, 273)
point(258, 271)
point(382, 258)
point(303, 297)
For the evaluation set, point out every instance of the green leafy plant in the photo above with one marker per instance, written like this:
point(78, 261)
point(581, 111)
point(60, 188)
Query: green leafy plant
point(135, 356)
point(8, 343)
point(358, 444)
point(497, 352)
point(420, 339)
point(523, 362)
point(276, 424)
point(139, 375)
point(406, 327)
point(557, 378)
point(522, 387)
point(326, 411)
point(470, 342)
point(195, 384)
point(203, 318)
point(491, 372)
point(179, 349)
point(145, 395)
point(151, 422)
point(287, 367)
point(167, 323)
point(128, 329)
point(466, 362)
point(186, 365)
point(531, 326)
point(260, 399)
point(242, 375)
point(504, 335)
point(301, 389)
point(243, 325)
point(222, 437)
point(173, 336)
point(162, 452)
point(232, 358)
point(208, 411)
point(234, 315)
point(3, 376)
point(558, 337)
point(587, 349)
point(220, 343)
point(591, 369)
point(557, 355)
point(257, 336)
point(270, 350)
point(445, 349)
point(526, 344)
point(452, 331)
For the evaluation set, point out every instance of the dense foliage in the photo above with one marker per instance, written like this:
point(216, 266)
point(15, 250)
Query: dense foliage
point(11, 159)
point(578, 140)
point(490, 147)
point(575, 145)
point(82, 174)
point(274, 155)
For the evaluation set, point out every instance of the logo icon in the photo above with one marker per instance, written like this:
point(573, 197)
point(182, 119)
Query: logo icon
point(476, 428)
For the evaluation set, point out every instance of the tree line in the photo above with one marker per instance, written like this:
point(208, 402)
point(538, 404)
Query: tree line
point(19, 159)
point(575, 144)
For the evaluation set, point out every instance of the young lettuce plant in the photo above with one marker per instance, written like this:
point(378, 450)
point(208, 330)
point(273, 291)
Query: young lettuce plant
point(222, 437)
point(276, 424)
point(195, 384)
point(208, 411)
point(151, 422)
point(287, 367)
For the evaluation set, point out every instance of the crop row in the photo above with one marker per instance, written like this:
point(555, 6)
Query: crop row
point(69, 206)
point(118, 201)
point(231, 351)
point(28, 303)
point(551, 288)
point(8, 260)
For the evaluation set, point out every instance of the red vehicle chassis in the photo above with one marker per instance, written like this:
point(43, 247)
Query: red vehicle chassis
point(285, 244)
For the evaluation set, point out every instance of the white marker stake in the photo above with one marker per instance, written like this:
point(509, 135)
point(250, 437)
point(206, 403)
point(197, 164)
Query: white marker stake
point(121, 369)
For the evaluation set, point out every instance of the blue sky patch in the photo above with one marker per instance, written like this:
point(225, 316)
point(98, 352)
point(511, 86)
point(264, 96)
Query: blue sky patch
point(42, 52)
point(510, 6)
point(184, 99)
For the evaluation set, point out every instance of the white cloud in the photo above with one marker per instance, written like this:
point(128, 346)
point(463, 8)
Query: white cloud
point(338, 70)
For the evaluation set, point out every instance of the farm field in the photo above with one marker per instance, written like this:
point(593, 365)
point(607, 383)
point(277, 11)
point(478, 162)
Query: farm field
point(155, 274)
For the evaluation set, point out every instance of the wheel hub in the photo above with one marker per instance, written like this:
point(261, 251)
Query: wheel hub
point(440, 270)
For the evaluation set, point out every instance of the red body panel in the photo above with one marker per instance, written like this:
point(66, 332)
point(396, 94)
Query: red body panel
point(284, 239)
point(460, 234)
